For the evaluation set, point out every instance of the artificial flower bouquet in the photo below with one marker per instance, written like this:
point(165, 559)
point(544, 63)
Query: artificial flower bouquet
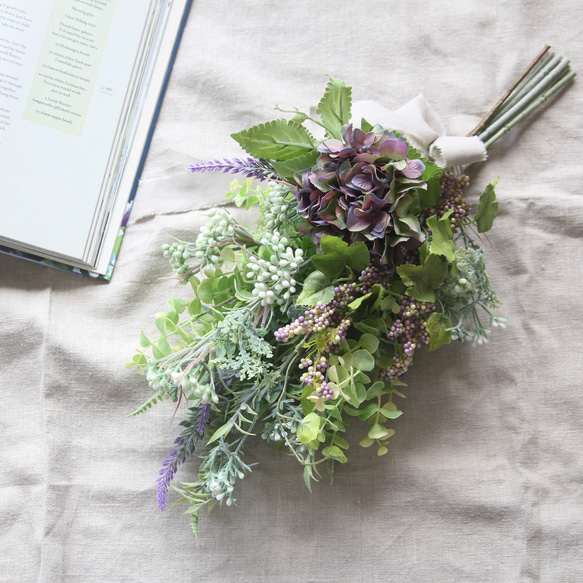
point(365, 253)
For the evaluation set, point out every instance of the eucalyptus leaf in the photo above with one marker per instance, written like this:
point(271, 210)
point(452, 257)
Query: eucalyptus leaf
point(308, 428)
point(369, 342)
point(363, 360)
point(378, 431)
point(205, 291)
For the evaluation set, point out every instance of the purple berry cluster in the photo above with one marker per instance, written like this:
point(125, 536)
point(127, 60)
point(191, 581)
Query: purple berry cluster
point(327, 319)
point(315, 377)
point(451, 188)
point(372, 275)
point(410, 331)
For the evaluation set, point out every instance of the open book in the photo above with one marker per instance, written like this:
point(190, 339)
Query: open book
point(81, 83)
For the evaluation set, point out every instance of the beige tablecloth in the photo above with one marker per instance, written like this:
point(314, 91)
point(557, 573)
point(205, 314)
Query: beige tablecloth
point(484, 478)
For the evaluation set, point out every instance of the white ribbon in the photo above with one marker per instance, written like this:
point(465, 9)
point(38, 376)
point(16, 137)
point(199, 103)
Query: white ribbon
point(423, 127)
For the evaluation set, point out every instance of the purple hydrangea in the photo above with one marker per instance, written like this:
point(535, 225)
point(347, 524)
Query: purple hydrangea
point(359, 190)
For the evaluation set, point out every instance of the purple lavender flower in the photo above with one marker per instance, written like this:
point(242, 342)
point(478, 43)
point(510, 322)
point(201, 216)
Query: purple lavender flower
point(184, 445)
point(250, 167)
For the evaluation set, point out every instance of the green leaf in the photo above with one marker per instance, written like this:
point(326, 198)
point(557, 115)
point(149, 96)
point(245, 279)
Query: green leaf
point(333, 452)
point(338, 374)
point(228, 254)
point(144, 342)
point(363, 360)
point(205, 291)
point(157, 398)
point(377, 431)
point(288, 168)
point(422, 280)
point(220, 432)
point(308, 476)
point(308, 428)
point(316, 289)
point(177, 305)
point(488, 208)
point(390, 413)
point(442, 237)
point(335, 106)
point(366, 442)
point(164, 347)
point(338, 255)
point(368, 411)
point(369, 342)
point(276, 140)
point(376, 390)
point(340, 442)
point(438, 329)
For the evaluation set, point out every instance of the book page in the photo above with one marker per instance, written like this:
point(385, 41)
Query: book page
point(68, 64)
point(65, 66)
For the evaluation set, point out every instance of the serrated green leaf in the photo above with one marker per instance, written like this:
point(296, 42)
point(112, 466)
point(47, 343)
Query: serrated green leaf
point(338, 254)
point(335, 106)
point(488, 208)
point(438, 329)
point(287, 168)
point(442, 236)
point(276, 140)
point(423, 280)
point(316, 289)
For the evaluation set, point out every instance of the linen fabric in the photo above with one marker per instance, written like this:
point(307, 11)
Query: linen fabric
point(484, 478)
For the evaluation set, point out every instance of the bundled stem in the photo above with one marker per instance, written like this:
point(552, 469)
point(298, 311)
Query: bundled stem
point(545, 76)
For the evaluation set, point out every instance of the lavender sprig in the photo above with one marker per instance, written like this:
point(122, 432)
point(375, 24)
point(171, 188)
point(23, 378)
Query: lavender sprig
point(250, 167)
point(184, 446)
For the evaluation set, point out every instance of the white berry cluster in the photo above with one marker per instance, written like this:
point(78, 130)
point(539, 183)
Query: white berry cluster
point(273, 279)
point(221, 486)
point(189, 383)
point(217, 229)
point(278, 208)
